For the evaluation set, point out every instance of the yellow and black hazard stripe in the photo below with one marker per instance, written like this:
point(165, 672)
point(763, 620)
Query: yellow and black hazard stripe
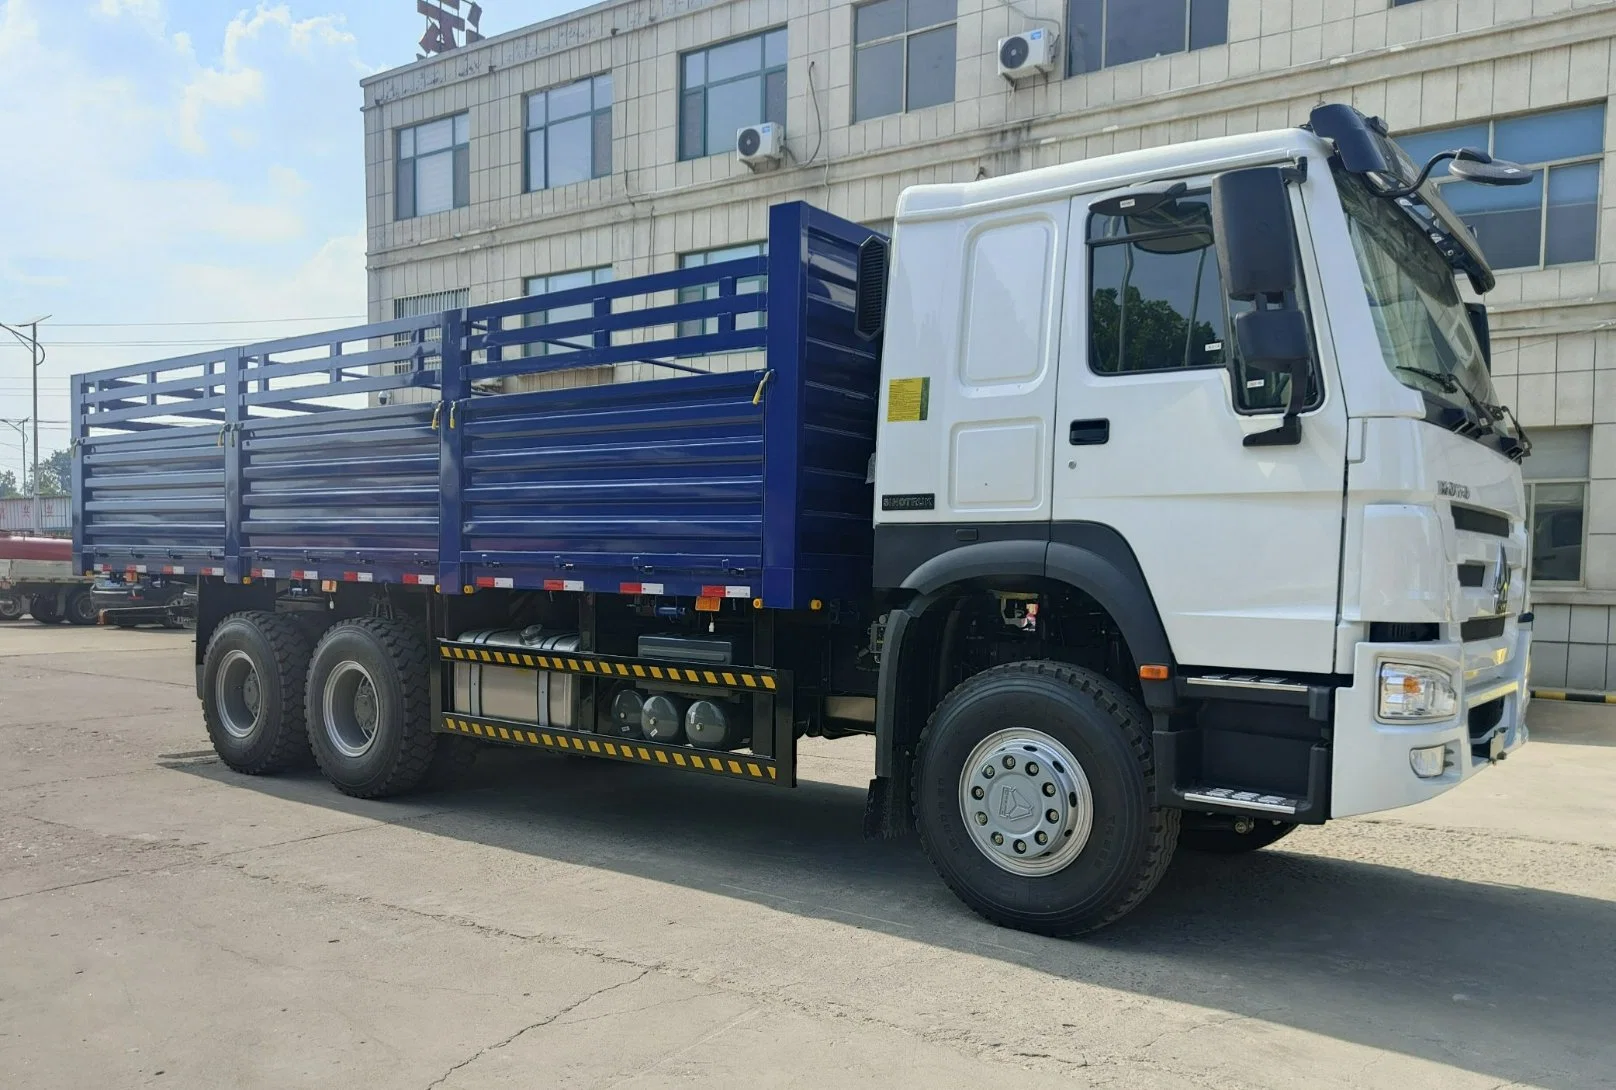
point(722, 677)
point(1573, 697)
point(744, 766)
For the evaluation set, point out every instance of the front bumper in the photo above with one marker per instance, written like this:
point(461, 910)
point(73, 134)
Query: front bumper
point(1371, 769)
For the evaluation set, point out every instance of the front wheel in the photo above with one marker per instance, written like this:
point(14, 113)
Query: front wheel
point(370, 708)
point(1033, 798)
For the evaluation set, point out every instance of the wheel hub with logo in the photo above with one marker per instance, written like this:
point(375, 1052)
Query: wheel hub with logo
point(1026, 802)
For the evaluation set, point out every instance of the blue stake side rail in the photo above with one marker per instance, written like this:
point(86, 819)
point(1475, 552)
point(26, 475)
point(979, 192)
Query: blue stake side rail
point(497, 446)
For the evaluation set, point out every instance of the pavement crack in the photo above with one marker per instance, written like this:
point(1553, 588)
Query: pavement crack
point(540, 1024)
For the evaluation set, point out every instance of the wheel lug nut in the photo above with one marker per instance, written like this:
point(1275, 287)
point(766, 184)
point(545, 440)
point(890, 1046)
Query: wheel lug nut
point(977, 792)
point(1020, 846)
point(1041, 836)
point(988, 773)
point(1009, 762)
point(981, 818)
point(998, 838)
point(1049, 790)
point(1053, 816)
point(1032, 768)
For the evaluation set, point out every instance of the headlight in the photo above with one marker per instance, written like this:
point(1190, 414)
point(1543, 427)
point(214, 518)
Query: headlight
point(1416, 692)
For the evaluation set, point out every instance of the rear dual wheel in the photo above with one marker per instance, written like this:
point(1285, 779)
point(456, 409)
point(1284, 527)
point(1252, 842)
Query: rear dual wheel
point(44, 609)
point(81, 608)
point(252, 692)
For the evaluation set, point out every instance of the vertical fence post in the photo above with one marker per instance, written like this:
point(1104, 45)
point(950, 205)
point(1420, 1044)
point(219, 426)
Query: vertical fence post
point(455, 388)
point(782, 399)
point(230, 437)
point(79, 430)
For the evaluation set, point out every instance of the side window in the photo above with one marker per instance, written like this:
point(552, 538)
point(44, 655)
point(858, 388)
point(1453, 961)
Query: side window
point(1156, 301)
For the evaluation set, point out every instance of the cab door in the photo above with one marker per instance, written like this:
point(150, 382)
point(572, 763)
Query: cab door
point(1240, 545)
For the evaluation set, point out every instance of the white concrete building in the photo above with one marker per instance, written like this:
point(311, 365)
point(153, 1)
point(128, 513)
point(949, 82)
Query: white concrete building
point(601, 145)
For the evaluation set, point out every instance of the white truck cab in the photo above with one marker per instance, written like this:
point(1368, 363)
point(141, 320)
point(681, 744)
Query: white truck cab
point(1227, 396)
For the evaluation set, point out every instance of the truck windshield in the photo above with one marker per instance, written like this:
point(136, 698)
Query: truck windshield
point(1424, 330)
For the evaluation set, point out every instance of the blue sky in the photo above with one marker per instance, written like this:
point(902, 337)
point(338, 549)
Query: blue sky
point(185, 161)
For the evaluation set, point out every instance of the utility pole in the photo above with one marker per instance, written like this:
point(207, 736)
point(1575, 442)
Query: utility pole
point(36, 356)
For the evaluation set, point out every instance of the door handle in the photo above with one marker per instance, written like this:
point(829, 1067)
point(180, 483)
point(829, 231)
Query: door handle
point(1090, 433)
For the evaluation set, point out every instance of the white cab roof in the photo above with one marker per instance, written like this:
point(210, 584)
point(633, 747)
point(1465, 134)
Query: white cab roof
point(1108, 171)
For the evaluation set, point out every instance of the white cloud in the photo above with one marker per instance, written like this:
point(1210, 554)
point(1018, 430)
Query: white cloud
point(143, 9)
point(234, 83)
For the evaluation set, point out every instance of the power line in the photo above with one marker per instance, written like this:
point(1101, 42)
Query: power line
point(231, 321)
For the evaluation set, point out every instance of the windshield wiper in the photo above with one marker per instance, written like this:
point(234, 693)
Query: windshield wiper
point(1486, 415)
point(1523, 444)
point(1441, 378)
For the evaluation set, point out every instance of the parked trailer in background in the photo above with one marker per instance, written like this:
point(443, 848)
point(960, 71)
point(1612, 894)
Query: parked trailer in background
point(1175, 507)
point(38, 577)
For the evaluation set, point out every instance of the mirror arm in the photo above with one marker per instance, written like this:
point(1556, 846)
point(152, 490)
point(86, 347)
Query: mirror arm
point(1409, 190)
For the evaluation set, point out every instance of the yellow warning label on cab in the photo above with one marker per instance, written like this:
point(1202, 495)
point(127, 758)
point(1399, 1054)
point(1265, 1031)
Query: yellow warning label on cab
point(908, 400)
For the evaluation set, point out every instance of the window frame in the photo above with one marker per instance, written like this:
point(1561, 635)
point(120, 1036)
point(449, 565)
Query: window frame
point(541, 349)
point(459, 166)
point(1315, 398)
point(1546, 166)
point(1531, 534)
point(762, 73)
point(593, 114)
point(905, 36)
point(709, 326)
point(1105, 21)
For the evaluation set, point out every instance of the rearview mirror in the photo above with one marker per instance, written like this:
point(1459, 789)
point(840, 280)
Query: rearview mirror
point(1256, 247)
point(1256, 244)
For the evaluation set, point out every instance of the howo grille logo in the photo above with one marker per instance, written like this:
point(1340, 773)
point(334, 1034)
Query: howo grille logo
point(1453, 490)
point(1013, 805)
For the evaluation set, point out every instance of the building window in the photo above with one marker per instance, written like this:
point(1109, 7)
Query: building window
point(1556, 502)
point(543, 285)
point(904, 56)
point(1552, 221)
point(697, 292)
point(725, 88)
point(569, 133)
point(434, 167)
point(1106, 33)
point(418, 306)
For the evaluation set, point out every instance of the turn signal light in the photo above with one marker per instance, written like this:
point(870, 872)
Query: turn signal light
point(1152, 673)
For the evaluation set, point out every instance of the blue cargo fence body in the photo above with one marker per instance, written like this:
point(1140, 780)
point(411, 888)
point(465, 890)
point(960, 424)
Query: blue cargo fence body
point(495, 446)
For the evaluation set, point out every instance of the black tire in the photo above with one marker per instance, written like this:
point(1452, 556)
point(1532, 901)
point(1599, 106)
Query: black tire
point(1224, 840)
point(451, 763)
point(379, 672)
point(11, 607)
point(81, 608)
point(43, 608)
point(256, 729)
point(1130, 842)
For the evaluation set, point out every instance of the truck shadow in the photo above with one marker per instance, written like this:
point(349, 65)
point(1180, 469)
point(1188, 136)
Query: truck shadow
point(1480, 976)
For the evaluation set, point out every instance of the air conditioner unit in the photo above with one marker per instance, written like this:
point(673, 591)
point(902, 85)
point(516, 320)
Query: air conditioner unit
point(1029, 54)
point(760, 145)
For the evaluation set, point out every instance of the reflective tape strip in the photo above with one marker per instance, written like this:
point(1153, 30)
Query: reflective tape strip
point(726, 592)
point(100, 567)
point(641, 588)
point(490, 582)
point(173, 569)
point(358, 577)
point(413, 580)
point(138, 568)
point(744, 765)
point(305, 575)
point(263, 573)
point(213, 571)
point(564, 584)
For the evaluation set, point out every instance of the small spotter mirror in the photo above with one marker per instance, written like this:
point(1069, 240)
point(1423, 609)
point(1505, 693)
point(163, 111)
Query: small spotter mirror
point(1482, 168)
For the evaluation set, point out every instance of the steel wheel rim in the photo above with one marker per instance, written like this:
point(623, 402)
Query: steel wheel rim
point(240, 694)
point(352, 709)
point(1019, 785)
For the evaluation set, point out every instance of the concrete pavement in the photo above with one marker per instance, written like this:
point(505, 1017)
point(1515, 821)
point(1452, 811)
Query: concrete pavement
point(164, 922)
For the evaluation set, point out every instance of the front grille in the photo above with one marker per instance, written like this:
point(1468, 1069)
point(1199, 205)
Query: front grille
point(1480, 522)
point(1472, 575)
point(1484, 628)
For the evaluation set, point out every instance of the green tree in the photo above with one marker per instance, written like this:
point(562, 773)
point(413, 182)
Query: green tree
point(56, 473)
point(8, 485)
point(1156, 336)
